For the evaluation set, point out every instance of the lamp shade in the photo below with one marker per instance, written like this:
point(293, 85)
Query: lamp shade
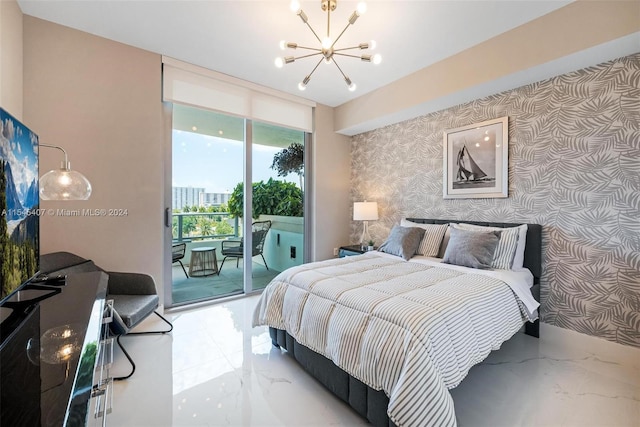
point(365, 211)
point(64, 184)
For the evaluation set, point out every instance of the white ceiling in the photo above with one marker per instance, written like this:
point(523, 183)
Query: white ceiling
point(240, 38)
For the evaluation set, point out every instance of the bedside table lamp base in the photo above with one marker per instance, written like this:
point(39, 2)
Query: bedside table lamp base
point(364, 240)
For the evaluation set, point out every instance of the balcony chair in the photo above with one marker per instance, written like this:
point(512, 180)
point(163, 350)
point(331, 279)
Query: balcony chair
point(235, 248)
point(134, 296)
point(178, 251)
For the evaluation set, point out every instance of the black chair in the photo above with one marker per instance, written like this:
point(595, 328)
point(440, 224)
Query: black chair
point(235, 248)
point(177, 253)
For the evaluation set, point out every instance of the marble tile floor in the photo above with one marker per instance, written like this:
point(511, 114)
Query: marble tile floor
point(214, 369)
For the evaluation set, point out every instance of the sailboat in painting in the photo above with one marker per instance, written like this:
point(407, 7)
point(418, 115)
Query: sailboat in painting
point(469, 173)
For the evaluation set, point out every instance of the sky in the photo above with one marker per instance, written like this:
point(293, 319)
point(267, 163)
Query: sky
point(19, 146)
point(217, 163)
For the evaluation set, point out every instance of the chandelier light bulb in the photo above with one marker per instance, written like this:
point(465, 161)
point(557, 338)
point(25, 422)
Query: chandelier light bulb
point(279, 62)
point(283, 44)
point(352, 87)
point(377, 58)
point(327, 42)
point(295, 6)
point(372, 44)
point(361, 8)
point(303, 84)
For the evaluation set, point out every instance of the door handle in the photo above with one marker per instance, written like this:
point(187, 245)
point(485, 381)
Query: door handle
point(167, 218)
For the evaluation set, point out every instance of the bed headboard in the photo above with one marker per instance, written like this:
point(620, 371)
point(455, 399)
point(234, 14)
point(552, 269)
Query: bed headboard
point(532, 250)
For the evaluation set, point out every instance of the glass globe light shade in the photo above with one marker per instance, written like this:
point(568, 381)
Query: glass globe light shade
point(64, 184)
point(279, 62)
point(361, 8)
point(377, 58)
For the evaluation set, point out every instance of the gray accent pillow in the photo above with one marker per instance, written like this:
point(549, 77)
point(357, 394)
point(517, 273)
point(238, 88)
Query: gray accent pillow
point(471, 248)
point(403, 241)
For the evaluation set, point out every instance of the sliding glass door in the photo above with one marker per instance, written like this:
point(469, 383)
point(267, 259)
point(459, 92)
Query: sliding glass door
point(277, 158)
point(225, 240)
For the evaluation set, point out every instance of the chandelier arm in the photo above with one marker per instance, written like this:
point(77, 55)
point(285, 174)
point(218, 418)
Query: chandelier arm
point(347, 54)
point(329, 21)
point(316, 67)
point(338, 38)
point(313, 31)
point(307, 56)
point(339, 69)
point(347, 48)
point(309, 48)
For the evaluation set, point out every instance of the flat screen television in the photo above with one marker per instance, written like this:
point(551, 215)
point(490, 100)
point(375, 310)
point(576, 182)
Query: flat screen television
point(19, 204)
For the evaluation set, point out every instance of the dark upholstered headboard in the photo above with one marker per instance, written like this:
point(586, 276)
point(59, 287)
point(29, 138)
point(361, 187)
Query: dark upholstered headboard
point(532, 250)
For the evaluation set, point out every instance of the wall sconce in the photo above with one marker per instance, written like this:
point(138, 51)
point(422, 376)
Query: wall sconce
point(63, 183)
point(365, 211)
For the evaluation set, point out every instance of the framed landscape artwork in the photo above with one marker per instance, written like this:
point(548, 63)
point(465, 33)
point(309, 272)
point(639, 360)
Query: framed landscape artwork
point(476, 160)
point(19, 199)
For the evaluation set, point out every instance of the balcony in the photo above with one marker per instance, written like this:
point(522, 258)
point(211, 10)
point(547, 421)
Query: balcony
point(283, 249)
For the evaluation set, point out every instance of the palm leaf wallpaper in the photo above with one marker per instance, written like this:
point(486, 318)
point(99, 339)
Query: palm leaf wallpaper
point(574, 167)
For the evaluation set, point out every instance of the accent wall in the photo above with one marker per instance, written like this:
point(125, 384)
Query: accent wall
point(574, 167)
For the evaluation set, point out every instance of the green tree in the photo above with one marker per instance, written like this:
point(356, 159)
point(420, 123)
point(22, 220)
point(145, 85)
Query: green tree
point(223, 227)
point(188, 225)
point(269, 198)
point(205, 225)
point(290, 160)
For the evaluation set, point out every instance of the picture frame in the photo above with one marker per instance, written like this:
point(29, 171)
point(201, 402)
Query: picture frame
point(476, 160)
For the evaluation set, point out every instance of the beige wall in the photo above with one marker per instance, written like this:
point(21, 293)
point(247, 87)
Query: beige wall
point(100, 100)
point(332, 166)
point(495, 63)
point(11, 58)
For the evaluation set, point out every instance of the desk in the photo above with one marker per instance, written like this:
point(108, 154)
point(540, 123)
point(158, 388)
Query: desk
point(203, 262)
point(38, 389)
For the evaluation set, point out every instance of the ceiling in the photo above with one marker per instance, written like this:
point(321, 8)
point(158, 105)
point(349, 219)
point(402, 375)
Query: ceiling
point(241, 38)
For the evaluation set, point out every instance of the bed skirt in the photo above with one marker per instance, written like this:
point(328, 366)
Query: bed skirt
point(369, 403)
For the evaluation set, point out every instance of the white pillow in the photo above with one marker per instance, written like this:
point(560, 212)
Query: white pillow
point(432, 239)
point(509, 254)
point(445, 242)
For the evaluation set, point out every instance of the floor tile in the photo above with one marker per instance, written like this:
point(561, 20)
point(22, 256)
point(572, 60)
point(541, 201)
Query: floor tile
point(214, 369)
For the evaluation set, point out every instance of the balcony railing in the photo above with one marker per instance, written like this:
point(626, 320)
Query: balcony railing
point(188, 226)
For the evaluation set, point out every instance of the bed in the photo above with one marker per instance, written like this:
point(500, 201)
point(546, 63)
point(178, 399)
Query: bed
point(390, 336)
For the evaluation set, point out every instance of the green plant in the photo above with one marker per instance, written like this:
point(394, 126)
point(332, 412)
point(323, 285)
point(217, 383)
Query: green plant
point(289, 160)
point(269, 198)
point(371, 242)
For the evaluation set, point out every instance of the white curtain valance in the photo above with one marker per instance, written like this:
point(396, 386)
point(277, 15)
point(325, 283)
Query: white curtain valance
point(188, 84)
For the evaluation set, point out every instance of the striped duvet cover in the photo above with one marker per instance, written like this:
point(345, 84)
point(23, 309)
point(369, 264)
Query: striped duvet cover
point(410, 329)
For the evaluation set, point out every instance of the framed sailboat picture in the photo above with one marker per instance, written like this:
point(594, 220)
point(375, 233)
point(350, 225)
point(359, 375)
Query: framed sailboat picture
point(476, 160)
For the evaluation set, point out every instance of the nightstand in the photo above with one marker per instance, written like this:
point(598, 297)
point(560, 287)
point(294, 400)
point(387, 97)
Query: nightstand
point(350, 250)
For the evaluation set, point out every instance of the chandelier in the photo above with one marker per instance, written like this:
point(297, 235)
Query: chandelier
point(328, 49)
